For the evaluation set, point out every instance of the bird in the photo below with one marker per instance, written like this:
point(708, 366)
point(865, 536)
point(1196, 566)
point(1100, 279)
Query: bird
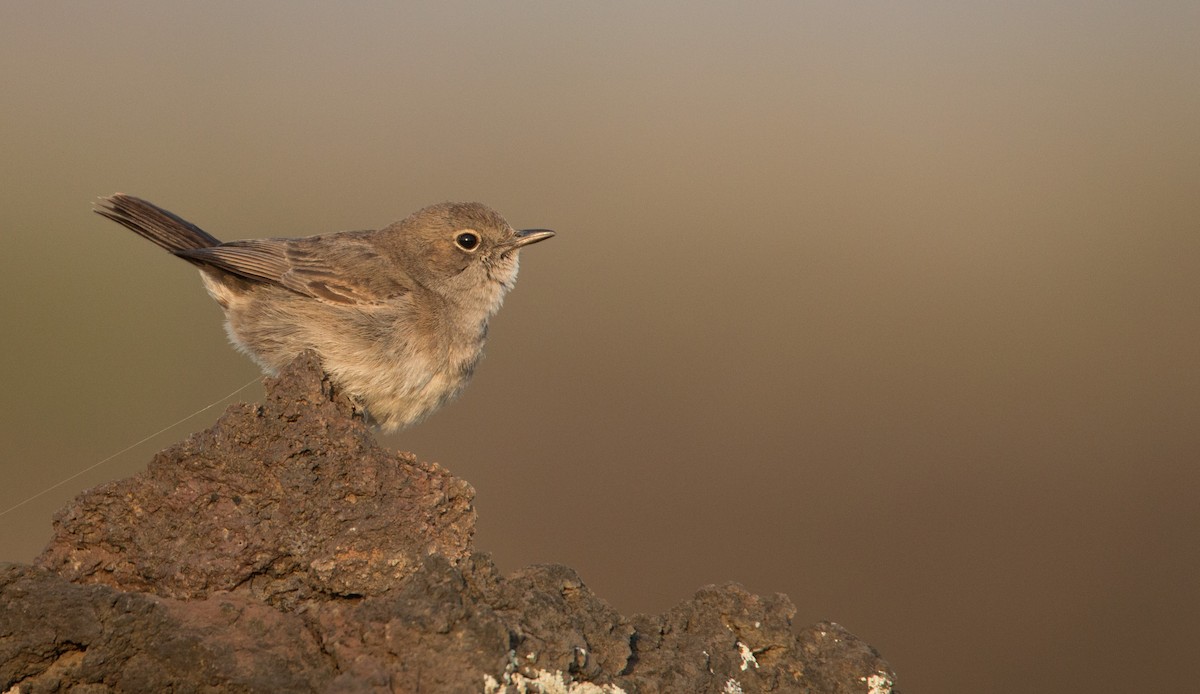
point(398, 315)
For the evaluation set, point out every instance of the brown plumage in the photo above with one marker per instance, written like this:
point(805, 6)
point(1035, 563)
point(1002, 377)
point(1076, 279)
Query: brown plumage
point(398, 315)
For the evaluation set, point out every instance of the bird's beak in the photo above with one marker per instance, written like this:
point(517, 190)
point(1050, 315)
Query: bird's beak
point(525, 237)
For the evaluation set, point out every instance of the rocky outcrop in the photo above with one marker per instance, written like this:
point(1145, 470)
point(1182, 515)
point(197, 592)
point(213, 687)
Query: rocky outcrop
point(283, 551)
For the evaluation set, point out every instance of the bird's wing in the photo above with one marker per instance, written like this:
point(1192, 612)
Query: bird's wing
point(341, 268)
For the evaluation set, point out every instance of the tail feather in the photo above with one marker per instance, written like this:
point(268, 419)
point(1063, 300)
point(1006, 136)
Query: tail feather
point(154, 223)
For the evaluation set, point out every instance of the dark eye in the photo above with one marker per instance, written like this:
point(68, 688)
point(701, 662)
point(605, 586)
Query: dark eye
point(468, 240)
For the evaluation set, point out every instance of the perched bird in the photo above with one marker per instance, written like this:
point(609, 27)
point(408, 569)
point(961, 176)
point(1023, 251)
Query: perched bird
point(398, 315)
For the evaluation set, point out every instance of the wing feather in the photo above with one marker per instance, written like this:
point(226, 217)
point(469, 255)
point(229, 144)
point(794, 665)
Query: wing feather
point(341, 268)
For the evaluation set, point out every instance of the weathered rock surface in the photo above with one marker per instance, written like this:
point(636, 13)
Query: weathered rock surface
point(283, 551)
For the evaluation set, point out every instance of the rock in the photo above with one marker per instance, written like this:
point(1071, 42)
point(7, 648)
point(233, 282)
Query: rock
point(284, 550)
point(56, 635)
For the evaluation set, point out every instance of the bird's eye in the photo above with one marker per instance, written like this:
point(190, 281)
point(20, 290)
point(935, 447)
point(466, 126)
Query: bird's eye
point(468, 240)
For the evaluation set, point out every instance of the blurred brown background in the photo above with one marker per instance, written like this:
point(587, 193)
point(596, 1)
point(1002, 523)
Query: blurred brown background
point(892, 307)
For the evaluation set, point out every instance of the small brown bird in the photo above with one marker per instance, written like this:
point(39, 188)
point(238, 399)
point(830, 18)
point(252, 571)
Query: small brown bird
point(398, 316)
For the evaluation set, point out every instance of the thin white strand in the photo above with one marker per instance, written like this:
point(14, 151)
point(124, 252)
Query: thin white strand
point(128, 448)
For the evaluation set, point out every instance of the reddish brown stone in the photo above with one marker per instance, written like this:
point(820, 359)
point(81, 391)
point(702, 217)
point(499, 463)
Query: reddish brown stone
point(283, 550)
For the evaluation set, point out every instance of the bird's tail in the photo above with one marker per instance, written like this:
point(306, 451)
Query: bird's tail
point(154, 223)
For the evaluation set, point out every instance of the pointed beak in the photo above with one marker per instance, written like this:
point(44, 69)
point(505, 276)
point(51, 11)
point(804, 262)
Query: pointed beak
point(526, 237)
